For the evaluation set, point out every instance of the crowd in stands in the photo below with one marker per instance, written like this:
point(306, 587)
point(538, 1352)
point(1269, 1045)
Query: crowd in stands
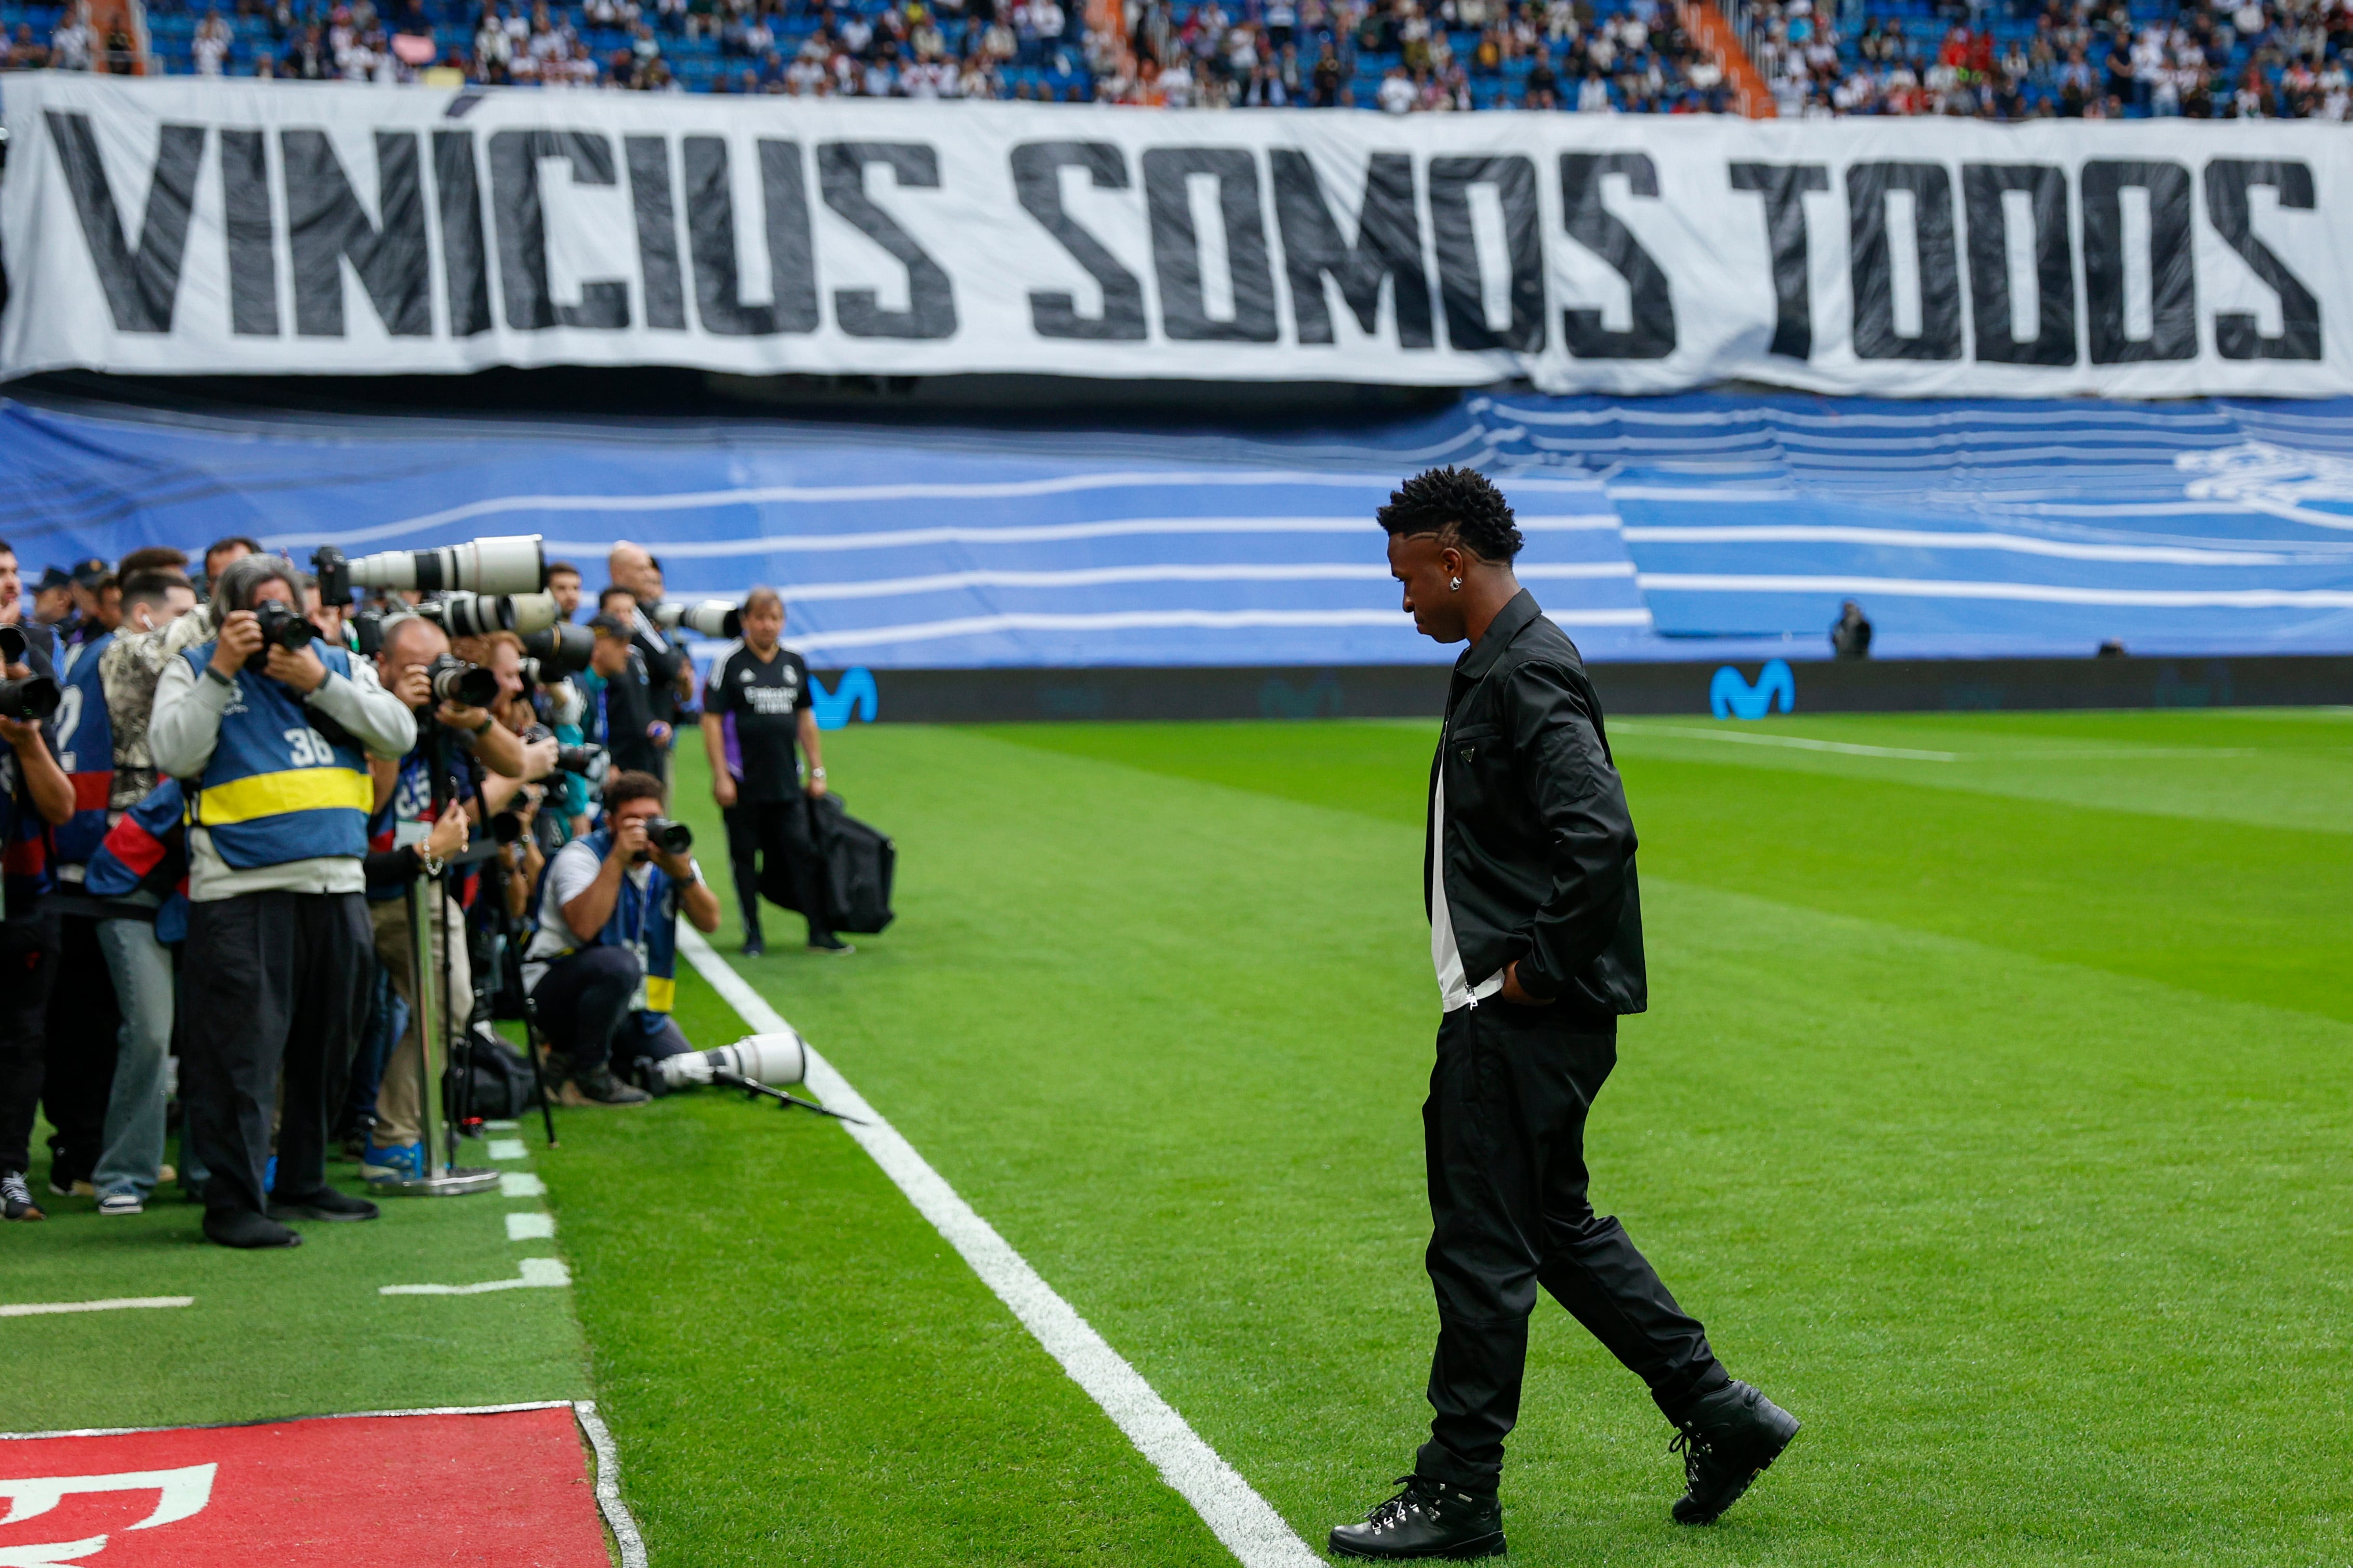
point(2214, 59)
point(1396, 56)
point(225, 798)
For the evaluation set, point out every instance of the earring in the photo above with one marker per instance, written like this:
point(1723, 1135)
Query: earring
point(1454, 584)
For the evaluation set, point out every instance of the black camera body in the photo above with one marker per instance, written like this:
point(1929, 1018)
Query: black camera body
point(282, 625)
point(25, 698)
point(588, 760)
point(455, 680)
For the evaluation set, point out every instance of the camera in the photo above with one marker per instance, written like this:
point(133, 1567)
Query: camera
point(478, 615)
point(282, 625)
point(28, 697)
point(508, 565)
point(762, 1058)
point(670, 837)
point(711, 617)
point(588, 760)
point(455, 680)
point(553, 652)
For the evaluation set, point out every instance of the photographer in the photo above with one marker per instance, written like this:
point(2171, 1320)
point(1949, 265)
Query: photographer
point(601, 967)
point(756, 708)
point(620, 715)
point(274, 742)
point(35, 795)
point(412, 833)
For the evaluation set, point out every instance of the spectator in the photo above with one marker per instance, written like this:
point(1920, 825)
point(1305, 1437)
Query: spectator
point(210, 46)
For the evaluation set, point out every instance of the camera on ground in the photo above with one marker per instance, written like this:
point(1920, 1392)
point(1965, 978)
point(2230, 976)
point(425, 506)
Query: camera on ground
point(28, 697)
point(776, 1059)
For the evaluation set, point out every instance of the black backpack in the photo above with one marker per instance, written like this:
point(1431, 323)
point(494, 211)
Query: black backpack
point(504, 1087)
point(859, 862)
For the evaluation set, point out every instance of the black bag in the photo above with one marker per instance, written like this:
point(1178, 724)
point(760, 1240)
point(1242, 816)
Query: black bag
point(860, 863)
point(504, 1086)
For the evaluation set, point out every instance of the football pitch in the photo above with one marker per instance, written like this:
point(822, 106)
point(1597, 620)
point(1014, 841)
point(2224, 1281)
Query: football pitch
point(1995, 1110)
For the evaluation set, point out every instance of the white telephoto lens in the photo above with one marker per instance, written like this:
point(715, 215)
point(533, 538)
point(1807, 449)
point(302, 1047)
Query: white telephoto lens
point(714, 618)
point(532, 612)
point(767, 1058)
point(509, 565)
point(685, 1072)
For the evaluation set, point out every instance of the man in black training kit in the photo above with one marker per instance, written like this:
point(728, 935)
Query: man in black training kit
point(1536, 934)
point(756, 708)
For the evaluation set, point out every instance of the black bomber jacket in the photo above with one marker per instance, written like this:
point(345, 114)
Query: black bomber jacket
point(1539, 850)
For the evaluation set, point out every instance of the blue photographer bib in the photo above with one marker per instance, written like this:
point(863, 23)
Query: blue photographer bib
point(645, 921)
point(275, 789)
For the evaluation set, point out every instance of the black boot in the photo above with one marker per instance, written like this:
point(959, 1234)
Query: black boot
point(243, 1227)
point(325, 1204)
point(1729, 1437)
point(1429, 1519)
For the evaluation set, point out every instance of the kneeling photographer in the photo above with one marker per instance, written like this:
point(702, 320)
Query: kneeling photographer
point(601, 968)
point(271, 730)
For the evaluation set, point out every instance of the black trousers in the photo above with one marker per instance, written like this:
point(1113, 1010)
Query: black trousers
point(28, 962)
point(83, 1037)
point(1503, 1132)
point(770, 852)
point(271, 984)
point(581, 1000)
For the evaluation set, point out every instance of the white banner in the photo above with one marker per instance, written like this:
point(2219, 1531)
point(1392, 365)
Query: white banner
point(205, 227)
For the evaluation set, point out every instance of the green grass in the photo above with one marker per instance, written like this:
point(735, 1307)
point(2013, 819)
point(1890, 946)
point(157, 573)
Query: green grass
point(1994, 1112)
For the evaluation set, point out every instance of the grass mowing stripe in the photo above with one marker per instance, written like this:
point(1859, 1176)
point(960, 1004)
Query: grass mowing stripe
point(1228, 1504)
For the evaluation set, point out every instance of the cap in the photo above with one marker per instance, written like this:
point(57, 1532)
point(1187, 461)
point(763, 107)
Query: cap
point(52, 578)
point(89, 573)
point(608, 625)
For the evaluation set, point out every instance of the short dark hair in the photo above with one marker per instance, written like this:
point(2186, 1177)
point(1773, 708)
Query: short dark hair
point(153, 585)
point(151, 558)
point(1461, 506)
point(555, 567)
point(628, 784)
point(610, 589)
point(252, 546)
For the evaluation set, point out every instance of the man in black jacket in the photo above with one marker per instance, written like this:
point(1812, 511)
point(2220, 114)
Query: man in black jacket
point(1536, 933)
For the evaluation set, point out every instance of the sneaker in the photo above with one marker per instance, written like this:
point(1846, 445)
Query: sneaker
point(71, 1189)
point(400, 1162)
point(754, 948)
point(828, 942)
point(122, 1203)
point(1429, 1519)
point(17, 1198)
point(166, 1172)
point(597, 1086)
point(1729, 1438)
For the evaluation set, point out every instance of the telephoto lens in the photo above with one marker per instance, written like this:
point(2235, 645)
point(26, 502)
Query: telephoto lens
point(561, 650)
point(711, 617)
point(670, 837)
point(455, 680)
point(776, 1059)
point(478, 615)
point(508, 565)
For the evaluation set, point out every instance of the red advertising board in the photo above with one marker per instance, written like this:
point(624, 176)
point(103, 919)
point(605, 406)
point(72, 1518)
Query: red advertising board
point(493, 1489)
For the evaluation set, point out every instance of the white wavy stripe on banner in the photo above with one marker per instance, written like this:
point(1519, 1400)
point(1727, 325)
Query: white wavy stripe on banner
point(1099, 576)
point(1159, 620)
point(2042, 419)
point(1922, 539)
point(2031, 593)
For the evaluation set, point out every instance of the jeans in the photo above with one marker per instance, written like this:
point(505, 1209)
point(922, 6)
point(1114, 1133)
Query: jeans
point(133, 1140)
point(1504, 1139)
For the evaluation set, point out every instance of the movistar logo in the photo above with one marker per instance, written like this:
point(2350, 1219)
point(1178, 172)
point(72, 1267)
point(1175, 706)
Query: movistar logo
point(854, 692)
point(1730, 697)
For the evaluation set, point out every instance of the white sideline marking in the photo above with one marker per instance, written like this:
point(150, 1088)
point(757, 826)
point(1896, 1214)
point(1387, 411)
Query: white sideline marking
point(532, 1273)
point(520, 1185)
point(1234, 1513)
point(501, 1126)
point(41, 1308)
point(524, 1226)
point(507, 1149)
